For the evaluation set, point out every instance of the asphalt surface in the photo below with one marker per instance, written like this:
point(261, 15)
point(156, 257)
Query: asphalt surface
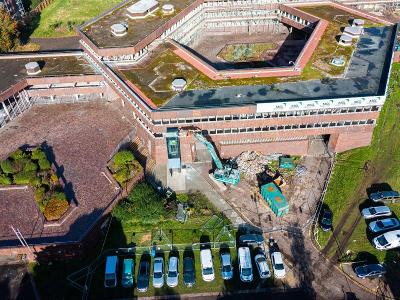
point(56, 44)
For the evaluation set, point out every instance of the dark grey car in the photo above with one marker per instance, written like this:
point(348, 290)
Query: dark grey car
point(189, 277)
point(370, 270)
point(143, 276)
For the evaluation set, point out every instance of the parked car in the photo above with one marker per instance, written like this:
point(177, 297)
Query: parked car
point(262, 266)
point(173, 271)
point(251, 239)
point(385, 195)
point(245, 266)
point(388, 240)
point(128, 269)
point(207, 267)
point(189, 276)
point(143, 276)
point(384, 224)
point(277, 265)
point(370, 270)
point(226, 266)
point(158, 272)
point(377, 211)
point(326, 220)
point(110, 274)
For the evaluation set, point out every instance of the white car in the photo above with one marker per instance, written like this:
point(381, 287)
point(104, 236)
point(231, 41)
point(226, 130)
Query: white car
point(207, 267)
point(377, 211)
point(158, 272)
point(384, 224)
point(388, 240)
point(173, 271)
point(277, 265)
point(245, 266)
point(262, 266)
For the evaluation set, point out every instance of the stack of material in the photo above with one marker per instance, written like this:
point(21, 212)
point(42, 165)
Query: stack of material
point(251, 163)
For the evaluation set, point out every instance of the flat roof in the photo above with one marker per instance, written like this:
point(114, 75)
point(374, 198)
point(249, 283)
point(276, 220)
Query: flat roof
point(12, 70)
point(367, 75)
point(99, 33)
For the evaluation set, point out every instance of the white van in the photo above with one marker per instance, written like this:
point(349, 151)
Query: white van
point(388, 240)
point(207, 267)
point(110, 276)
point(245, 266)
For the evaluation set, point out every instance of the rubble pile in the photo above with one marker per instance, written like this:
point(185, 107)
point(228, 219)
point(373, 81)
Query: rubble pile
point(251, 163)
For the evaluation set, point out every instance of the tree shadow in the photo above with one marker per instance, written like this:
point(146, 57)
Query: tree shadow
point(28, 25)
point(68, 186)
point(303, 264)
point(379, 187)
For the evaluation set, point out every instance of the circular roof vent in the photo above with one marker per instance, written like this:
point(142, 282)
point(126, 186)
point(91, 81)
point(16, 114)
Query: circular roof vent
point(119, 29)
point(168, 9)
point(32, 68)
point(179, 84)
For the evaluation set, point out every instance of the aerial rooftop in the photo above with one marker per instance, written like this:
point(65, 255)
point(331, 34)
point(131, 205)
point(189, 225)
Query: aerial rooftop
point(13, 69)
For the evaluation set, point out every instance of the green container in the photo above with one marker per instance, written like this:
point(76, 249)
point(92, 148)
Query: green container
point(275, 199)
point(286, 163)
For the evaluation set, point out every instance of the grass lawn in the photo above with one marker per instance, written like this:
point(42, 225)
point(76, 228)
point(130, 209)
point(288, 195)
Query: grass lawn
point(358, 169)
point(245, 52)
point(61, 17)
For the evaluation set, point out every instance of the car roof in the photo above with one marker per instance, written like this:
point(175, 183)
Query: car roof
point(277, 257)
point(382, 208)
point(226, 258)
point(128, 262)
point(173, 262)
point(251, 238)
point(392, 235)
point(206, 257)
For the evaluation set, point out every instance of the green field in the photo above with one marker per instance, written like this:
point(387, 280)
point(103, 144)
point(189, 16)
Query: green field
point(61, 17)
point(356, 170)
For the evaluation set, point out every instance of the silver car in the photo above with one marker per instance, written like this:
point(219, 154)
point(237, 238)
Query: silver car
point(226, 266)
point(262, 266)
point(384, 224)
point(173, 271)
point(158, 272)
point(375, 212)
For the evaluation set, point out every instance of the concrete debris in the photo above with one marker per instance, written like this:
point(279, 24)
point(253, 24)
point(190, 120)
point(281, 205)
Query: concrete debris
point(251, 163)
point(301, 170)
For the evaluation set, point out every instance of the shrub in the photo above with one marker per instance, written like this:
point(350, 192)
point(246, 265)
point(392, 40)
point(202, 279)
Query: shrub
point(182, 198)
point(6, 166)
point(200, 205)
point(122, 176)
point(54, 178)
point(5, 180)
point(24, 177)
point(59, 196)
point(39, 194)
point(122, 158)
point(30, 166)
point(18, 154)
point(143, 205)
point(44, 164)
point(38, 154)
point(45, 181)
point(55, 209)
point(35, 181)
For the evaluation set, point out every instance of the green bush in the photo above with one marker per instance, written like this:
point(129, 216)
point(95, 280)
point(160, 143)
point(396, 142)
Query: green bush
point(44, 164)
point(24, 177)
point(55, 209)
point(122, 158)
point(200, 205)
point(143, 205)
point(30, 166)
point(182, 198)
point(39, 194)
point(45, 181)
point(59, 196)
point(6, 166)
point(36, 182)
point(18, 154)
point(5, 180)
point(122, 176)
point(38, 154)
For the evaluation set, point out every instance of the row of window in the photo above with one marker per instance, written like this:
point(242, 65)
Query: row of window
point(269, 115)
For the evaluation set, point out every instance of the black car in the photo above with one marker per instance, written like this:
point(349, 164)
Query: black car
point(189, 277)
point(326, 220)
point(143, 276)
point(371, 270)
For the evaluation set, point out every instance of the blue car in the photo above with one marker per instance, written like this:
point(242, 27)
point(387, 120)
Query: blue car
point(127, 272)
point(384, 224)
point(384, 196)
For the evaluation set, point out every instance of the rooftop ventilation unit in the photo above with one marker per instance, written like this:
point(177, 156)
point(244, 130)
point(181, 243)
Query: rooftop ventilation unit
point(119, 29)
point(168, 9)
point(32, 68)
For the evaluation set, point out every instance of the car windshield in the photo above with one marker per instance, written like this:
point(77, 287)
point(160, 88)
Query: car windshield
point(157, 275)
point(279, 266)
point(172, 274)
point(372, 211)
point(226, 268)
point(207, 271)
point(260, 259)
point(246, 271)
point(382, 240)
